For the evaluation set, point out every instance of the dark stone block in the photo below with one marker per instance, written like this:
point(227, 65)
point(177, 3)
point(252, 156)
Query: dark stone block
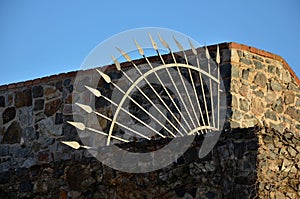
point(225, 70)
point(26, 186)
point(59, 118)
point(67, 82)
point(5, 176)
point(58, 86)
point(23, 98)
point(13, 134)
point(9, 114)
point(2, 101)
point(180, 192)
point(70, 88)
point(4, 150)
point(37, 91)
point(38, 104)
point(52, 107)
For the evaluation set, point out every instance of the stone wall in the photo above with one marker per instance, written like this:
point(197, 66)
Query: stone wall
point(262, 126)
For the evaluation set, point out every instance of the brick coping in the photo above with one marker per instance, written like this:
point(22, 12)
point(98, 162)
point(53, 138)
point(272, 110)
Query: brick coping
point(229, 45)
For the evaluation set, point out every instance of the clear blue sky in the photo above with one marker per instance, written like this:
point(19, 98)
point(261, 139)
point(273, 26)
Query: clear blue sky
point(40, 38)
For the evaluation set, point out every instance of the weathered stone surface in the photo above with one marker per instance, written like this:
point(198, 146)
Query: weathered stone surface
point(29, 135)
point(52, 107)
point(2, 101)
point(38, 104)
point(244, 105)
point(8, 114)
point(257, 106)
point(25, 116)
point(259, 93)
point(235, 71)
point(275, 85)
point(260, 79)
point(258, 64)
point(278, 106)
point(245, 61)
point(37, 91)
point(59, 118)
point(13, 134)
point(51, 93)
point(23, 98)
point(289, 98)
point(271, 115)
point(293, 113)
point(244, 91)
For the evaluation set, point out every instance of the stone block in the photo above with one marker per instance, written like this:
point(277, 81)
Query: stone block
point(257, 106)
point(23, 98)
point(258, 65)
point(276, 86)
point(13, 134)
point(2, 101)
point(37, 91)
point(38, 104)
point(52, 107)
point(260, 79)
point(289, 97)
point(8, 115)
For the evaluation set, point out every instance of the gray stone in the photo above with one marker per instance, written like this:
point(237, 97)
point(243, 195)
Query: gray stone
point(37, 91)
point(293, 113)
point(245, 74)
point(259, 93)
point(237, 115)
point(258, 65)
point(25, 116)
point(275, 85)
point(245, 61)
point(260, 79)
point(4, 150)
point(13, 134)
point(47, 127)
point(240, 53)
point(293, 87)
point(278, 106)
point(8, 115)
point(29, 162)
point(271, 115)
point(235, 71)
point(289, 98)
point(278, 127)
point(272, 69)
point(259, 58)
point(23, 98)
point(38, 104)
point(244, 105)
point(2, 101)
point(29, 135)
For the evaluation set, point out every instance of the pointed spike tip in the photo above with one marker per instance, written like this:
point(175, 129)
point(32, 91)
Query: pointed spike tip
point(73, 144)
point(164, 43)
point(86, 108)
point(78, 125)
point(178, 44)
point(154, 44)
point(125, 55)
point(193, 48)
point(96, 92)
point(118, 66)
point(218, 59)
point(105, 77)
point(141, 51)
